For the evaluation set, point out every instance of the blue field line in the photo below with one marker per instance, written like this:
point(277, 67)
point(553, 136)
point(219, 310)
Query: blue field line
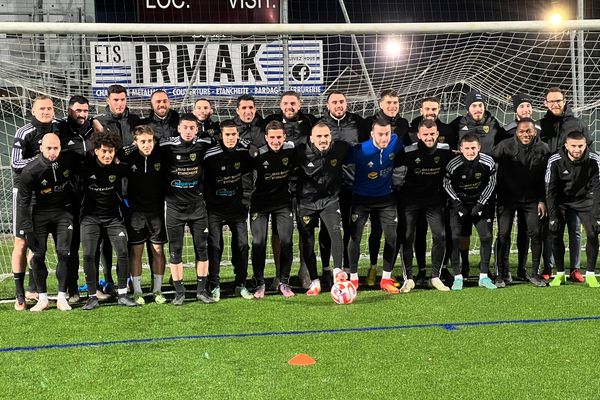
point(447, 326)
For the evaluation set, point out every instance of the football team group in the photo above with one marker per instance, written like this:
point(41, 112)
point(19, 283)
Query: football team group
point(119, 183)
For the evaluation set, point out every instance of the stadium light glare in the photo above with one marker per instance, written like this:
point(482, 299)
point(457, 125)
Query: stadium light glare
point(393, 47)
point(556, 18)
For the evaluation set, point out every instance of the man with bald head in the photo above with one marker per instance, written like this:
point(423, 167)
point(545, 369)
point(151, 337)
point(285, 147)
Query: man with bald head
point(47, 178)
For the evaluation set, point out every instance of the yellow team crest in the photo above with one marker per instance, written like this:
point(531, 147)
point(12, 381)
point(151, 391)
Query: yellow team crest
point(354, 217)
point(254, 216)
point(306, 219)
point(486, 129)
point(333, 162)
point(193, 156)
point(477, 175)
point(391, 156)
point(66, 173)
point(285, 161)
point(236, 165)
point(112, 178)
point(157, 166)
point(436, 159)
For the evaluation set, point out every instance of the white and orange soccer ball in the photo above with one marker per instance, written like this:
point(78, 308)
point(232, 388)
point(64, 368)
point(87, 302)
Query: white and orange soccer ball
point(343, 292)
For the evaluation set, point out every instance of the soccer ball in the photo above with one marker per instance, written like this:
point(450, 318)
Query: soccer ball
point(343, 292)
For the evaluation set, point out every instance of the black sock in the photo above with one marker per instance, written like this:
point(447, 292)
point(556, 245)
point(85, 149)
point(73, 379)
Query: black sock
point(201, 280)
point(179, 288)
point(19, 288)
point(464, 257)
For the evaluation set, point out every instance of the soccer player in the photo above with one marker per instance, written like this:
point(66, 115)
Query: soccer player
point(146, 195)
point(423, 192)
point(522, 163)
point(207, 128)
point(184, 200)
point(273, 164)
point(162, 118)
point(117, 117)
point(319, 179)
point(101, 185)
point(555, 125)
point(430, 109)
point(572, 183)
point(25, 147)
point(224, 164)
point(345, 126)
point(372, 195)
point(470, 181)
point(47, 178)
point(249, 123)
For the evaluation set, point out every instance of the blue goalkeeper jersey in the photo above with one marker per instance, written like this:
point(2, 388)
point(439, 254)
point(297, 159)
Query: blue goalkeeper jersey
point(373, 168)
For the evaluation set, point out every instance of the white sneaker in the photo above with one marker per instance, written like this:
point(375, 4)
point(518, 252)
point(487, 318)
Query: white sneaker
point(62, 304)
point(439, 285)
point(408, 285)
point(41, 305)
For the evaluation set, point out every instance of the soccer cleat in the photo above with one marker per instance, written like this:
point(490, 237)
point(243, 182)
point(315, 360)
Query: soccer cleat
point(274, 284)
point(508, 278)
point(74, 298)
point(500, 283)
point(439, 285)
point(395, 282)
point(355, 283)
point(241, 291)
point(591, 281)
point(546, 273)
point(216, 293)
point(109, 288)
point(315, 288)
point(487, 283)
point(387, 285)
point(20, 304)
point(102, 296)
point(159, 298)
point(457, 284)
point(139, 299)
point(286, 290)
point(537, 281)
point(127, 301)
point(577, 277)
point(259, 292)
point(371, 276)
point(62, 304)
point(41, 305)
point(206, 298)
point(408, 285)
point(31, 296)
point(91, 303)
point(178, 299)
point(522, 274)
point(558, 280)
point(340, 276)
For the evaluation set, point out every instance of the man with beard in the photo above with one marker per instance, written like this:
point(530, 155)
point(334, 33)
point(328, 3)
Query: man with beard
point(117, 118)
point(207, 128)
point(521, 162)
point(162, 119)
point(26, 146)
point(558, 121)
point(572, 182)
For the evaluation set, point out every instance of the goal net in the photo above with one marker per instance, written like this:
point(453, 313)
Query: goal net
point(221, 66)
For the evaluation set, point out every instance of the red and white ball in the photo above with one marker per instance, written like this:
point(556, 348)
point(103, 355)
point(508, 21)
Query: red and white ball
point(343, 292)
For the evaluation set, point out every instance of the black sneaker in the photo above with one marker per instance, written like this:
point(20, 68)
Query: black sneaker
point(127, 301)
point(205, 297)
point(178, 299)
point(91, 303)
point(522, 275)
point(421, 279)
point(537, 281)
point(508, 277)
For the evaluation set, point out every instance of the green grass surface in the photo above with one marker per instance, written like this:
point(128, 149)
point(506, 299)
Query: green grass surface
point(515, 361)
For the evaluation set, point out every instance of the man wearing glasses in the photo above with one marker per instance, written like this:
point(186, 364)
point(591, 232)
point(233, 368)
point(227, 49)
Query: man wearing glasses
point(559, 121)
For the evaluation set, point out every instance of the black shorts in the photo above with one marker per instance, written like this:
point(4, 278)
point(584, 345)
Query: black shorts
point(195, 216)
point(17, 230)
point(142, 226)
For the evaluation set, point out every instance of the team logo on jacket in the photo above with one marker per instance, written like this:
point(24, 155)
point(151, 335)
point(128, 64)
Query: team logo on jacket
point(285, 161)
point(236, 165)
point(46, 191)
point(333, 162)
point(417, 160)
point(477, 175)
point(306, 219)
point(157, 166)
point(66, 173)
point(373, 175)
point(354, 217)
point(254, 216)
point(112, 178)
point(441, 139)
point(486, 129)
point(193, 156)
point(391, 156)
point(436, 159)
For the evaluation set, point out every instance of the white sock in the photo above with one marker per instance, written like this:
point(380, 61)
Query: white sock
point(560, 272)
point(122, 291)
point(386, 275)
point(354, 276)
point(62, 296)
point(157, 285)
point(43, 296)
point(315, 284)
point(459, 276)
point(137, 284)
point(482, 275)
point(589, 273)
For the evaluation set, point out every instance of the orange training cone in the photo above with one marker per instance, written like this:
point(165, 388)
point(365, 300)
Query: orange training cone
point(302, 359)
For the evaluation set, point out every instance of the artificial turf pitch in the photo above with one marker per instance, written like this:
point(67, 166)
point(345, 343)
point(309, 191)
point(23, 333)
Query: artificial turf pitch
point(413, 345)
